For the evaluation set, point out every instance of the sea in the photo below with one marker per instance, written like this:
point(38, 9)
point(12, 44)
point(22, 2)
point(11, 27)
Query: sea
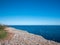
point(50, 32)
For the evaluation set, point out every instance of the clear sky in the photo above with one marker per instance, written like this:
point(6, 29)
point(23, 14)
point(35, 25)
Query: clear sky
point(30, 12)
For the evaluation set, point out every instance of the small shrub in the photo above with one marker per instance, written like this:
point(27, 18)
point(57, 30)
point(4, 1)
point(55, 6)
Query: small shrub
point(2, 27)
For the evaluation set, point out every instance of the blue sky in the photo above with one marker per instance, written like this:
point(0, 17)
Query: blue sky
point(30, 12)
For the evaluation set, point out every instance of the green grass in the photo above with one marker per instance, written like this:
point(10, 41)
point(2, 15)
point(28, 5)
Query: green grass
point(3, 33)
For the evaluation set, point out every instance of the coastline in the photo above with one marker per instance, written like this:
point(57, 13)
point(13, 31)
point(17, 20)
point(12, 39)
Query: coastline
point(25, 38)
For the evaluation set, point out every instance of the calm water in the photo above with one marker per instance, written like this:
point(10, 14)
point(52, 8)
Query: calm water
point(49, 32)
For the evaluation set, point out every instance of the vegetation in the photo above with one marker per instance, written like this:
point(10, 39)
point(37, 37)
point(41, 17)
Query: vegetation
point(3, 32)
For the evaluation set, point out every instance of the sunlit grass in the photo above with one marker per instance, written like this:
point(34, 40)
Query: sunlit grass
point(3, 32)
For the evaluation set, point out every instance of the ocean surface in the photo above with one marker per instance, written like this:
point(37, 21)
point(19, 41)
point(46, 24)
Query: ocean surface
point(50, 32)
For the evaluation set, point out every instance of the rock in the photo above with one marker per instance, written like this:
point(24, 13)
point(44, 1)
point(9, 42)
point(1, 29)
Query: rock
point(24, 38)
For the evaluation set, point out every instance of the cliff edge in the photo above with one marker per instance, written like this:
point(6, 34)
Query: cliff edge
point(19, 37)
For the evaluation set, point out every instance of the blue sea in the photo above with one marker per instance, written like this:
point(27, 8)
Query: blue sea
point(50, 32)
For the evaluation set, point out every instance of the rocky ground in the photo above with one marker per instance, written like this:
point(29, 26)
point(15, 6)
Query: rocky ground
point(19, 37)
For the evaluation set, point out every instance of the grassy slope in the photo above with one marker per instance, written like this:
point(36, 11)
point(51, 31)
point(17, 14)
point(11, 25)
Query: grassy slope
point(3, 33)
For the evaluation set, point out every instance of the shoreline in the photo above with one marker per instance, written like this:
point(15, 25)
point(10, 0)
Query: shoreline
point(25, 37)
